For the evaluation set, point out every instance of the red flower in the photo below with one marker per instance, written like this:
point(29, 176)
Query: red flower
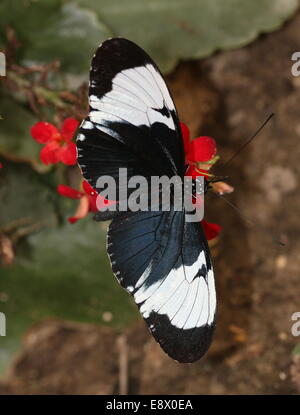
point(58, 143)
point(211, 230)
point(200, 152)
point(90, 201)
point(202, 149)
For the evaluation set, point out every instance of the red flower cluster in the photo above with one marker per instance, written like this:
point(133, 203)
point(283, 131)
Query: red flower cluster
point(90, 201)
point(58, 143)
point(200, 155)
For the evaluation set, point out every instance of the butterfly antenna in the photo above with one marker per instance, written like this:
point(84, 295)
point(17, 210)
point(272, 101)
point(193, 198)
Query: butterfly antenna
point(277, 241)
point(250, 139)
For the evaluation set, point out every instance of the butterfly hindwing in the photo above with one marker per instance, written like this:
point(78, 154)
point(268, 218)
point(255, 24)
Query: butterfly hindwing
point(164, 262)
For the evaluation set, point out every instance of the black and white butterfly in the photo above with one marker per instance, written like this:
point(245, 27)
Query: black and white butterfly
point(159, 257)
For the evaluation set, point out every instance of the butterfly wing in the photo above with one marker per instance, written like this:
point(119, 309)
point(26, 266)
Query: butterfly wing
point(132, 121)
point(164, 262)
point(159, 257)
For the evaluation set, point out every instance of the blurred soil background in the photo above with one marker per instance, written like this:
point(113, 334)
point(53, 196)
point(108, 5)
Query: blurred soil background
point(227, 96)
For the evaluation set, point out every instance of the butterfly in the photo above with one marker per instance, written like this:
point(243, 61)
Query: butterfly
point(159, 257)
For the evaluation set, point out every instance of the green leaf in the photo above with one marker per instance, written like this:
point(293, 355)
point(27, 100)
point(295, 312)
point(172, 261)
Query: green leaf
point(66, 276)
point(70, 38)
point(15, 138)
point(27, 195)
point(188, 29)
point(53, 29)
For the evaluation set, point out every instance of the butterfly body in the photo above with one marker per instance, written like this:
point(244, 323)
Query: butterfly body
point(159, 257)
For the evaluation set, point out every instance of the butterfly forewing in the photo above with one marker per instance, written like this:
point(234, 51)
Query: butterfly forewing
point(131, 111)
point(159, 257)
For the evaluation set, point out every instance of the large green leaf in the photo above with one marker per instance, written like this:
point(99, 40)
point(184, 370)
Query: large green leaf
point(53, 29)
point(67, 276)
point(171, 30)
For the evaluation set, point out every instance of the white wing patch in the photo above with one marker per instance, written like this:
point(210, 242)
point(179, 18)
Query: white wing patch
point(87, 125)
point(162, 86)
point(81, 137)
point(182, 315)
point(118, 95)
point(164, 291)
point(212, 296)
point(187, 299)
point(155, 116)
point(144, 74)
point(144, 275)
point(116, 112)
point(136, 97)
